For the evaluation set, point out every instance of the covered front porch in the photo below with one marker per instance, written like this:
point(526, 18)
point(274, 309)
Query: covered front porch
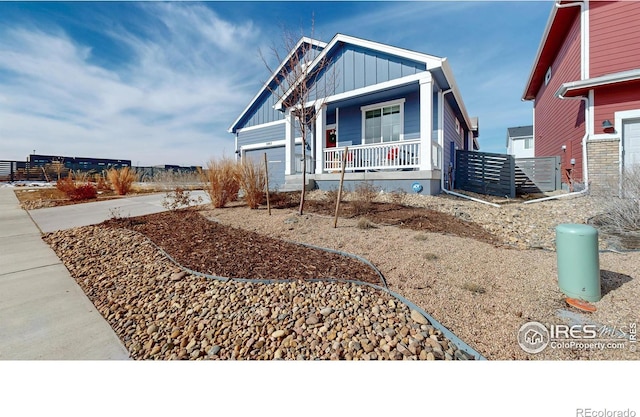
point(388, 129)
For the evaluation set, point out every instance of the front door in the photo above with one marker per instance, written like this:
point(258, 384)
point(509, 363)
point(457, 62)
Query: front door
point(330, 138)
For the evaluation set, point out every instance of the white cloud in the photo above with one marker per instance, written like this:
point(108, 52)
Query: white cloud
point(171, 102)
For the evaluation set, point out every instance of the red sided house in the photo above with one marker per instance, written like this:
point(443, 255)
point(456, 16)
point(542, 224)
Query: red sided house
point(585, 88)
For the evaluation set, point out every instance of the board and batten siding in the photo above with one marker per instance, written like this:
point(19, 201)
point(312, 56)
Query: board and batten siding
point(261, 135)
point(263, 111)
point(614, 44)
point(561, 122)
point(354, 67)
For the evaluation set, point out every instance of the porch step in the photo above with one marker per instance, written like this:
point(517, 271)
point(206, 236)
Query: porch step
point(296, 185)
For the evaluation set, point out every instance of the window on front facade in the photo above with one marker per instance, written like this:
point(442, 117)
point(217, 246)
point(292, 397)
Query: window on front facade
point(528, 143)
point(383, 124)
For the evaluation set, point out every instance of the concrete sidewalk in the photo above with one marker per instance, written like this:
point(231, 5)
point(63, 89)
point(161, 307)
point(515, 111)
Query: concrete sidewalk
point(76, 215)
point(44, 314)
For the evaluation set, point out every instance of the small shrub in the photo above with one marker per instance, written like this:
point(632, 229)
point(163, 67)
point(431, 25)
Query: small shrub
point(398, 197)
point(252, 181)
point(179, 198)
point(84, 192)
point(366, 191)
point(122, 179)
point(66, 185)
point(283, 199)
point(621, 215)
point(364, 223)
point(115, 213)
point(221, 181)
point(76, 192)
point(332, 195)
point(430, 256)
point(363, 196)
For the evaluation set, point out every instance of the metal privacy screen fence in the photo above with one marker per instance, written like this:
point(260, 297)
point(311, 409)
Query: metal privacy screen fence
point(503, 175)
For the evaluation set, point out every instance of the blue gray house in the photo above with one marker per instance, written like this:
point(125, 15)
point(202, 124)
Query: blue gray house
point(399, 113)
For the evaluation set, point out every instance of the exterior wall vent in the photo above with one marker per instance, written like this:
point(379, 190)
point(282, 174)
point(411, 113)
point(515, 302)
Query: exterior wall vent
point(547, 76)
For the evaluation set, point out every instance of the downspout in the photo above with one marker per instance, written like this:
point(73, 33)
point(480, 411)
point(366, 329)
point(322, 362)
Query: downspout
point(442, 187)
point(585, 170)
point(584, 73)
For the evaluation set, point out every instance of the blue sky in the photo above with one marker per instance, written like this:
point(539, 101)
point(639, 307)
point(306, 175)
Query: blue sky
point(160, 83)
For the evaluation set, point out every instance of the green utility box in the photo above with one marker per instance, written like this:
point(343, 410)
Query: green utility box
point(578, 261)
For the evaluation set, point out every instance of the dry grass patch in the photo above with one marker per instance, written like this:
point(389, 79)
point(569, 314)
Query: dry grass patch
point(430, 256)
point(252, 182)
point(122, 179)
point(474, 288)
point(221, 181)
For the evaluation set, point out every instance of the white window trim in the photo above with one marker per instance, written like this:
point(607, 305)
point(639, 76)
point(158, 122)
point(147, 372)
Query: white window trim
point(524, 144)
point(365, 109)
point(620, 117)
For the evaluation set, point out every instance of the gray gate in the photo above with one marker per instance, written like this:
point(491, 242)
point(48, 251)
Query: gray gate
point(537, 175)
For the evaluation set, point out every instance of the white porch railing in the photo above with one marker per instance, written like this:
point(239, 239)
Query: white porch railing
point(381, 156)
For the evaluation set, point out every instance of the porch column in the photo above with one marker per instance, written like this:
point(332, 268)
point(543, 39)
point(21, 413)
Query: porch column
point(318, 144)
point(426, 124)
point(289, 145)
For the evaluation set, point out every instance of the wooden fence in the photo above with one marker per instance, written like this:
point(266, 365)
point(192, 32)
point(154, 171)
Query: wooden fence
point(20, 171)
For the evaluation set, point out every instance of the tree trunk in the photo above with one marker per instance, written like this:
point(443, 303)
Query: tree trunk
point(304, 174)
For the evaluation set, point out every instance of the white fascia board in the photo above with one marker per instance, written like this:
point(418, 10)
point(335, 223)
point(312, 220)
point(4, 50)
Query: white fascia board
point(250, 128)
point(373, 88)
point(430, 61)
point(618, 77)
point(456, 93)
point(302, 40)
point(392, 50)
point(545, 35)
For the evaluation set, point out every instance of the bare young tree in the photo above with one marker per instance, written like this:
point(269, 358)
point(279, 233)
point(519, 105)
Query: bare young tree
point(302, 83)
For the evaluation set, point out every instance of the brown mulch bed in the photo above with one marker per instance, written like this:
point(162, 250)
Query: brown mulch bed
point(212, 248)
point(414, 218)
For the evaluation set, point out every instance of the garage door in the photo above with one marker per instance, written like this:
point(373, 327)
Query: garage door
point(631, 142)
point(275, 161)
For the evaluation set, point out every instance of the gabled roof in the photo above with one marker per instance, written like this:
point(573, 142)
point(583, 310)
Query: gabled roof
point(520, 131)
point(439, 68)
point(302, 41)
point(429, 60)
point(555, 32)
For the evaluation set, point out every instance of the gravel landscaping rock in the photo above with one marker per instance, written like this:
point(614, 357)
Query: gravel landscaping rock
point(158, 316)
